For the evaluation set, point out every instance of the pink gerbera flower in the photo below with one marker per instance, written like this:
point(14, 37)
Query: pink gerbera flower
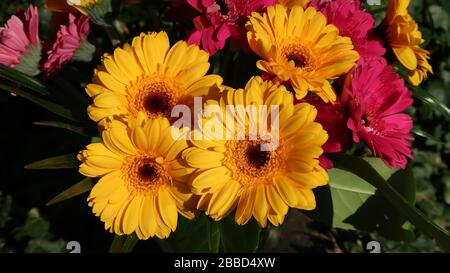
point(333, 118)
point(355, 23)
point(222, 19)
point(70, 44)
point(20, 47)
point(375, 99)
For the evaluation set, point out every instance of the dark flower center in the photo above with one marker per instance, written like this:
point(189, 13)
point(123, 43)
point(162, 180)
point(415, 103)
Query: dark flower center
point(157, 103)
point(257, 158)
point(147, 172)
point(299, 60)
point(300, 55)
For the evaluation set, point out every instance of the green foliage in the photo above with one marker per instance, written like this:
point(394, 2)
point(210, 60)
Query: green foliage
point(198, 235)
point(235, 238)
point(34, 234)
point(36, 229)
point(367, 172)
point(5, 209)
point(123, 244)
point(79, 129)
point(352, 203)
point(58, 162)
point(81, 187)
point(205, 235)
point(24, 80)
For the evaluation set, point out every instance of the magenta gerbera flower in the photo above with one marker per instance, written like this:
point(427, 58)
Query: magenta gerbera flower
point(355, 23)
point(221, 20)
point(333, 117)
point(20, 47)
point(375, 99)
point(70, 44)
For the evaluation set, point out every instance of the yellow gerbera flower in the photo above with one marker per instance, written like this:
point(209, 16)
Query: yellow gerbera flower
point(142, 179)
point(405, 40)
point(291, 3)
point(150, 76)
point(298, 46)
point(239, 174)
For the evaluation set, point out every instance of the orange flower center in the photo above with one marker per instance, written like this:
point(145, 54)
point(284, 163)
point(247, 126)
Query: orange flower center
point(300, 55)
point(144, 174)
point(249, 164)
point(155, 96)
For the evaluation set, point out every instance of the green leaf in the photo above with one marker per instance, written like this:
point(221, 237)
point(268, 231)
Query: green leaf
point(35, 226)
point(45, 246)
point(421, 133)
point(348, 193)
point(23, 79)
point(123, 244)
point(81, 187)
point(351, 203)
point(50, 106)
point(5, 209)
point(68, 161)
point(432, 102)
point(198, 235)
point(236, 238)
point(366, 172)
point(63, 125)
point(447, 189)
point(205, 235)
point(439, 17)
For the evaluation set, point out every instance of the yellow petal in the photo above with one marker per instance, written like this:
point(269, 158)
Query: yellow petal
point(309, 198)
point(115, 71)
point(286, 190)
point(406, 56)
point(107, 185)
point(140, 139)
point(120, 195)
point(110, 82)
point(275, 200)
point(109, 100)
point(204, 86)
point(117, 139)
point(176, 149)
point(127, 64)
point(203, 159)
point(110, 212)
point(95, 89)
point(245, 206)
point(118, 221)
point(154, 135)
point(167, 209)
point(210, 178)
point(131, 216)
point(260, 207)
point(223, 201)
point(174, 58)
point(138, 47)
point(155, 48)
point(98, 206)
point(147, 221)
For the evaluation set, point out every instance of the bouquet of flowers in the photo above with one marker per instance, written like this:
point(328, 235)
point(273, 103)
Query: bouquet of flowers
point(205, 125)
